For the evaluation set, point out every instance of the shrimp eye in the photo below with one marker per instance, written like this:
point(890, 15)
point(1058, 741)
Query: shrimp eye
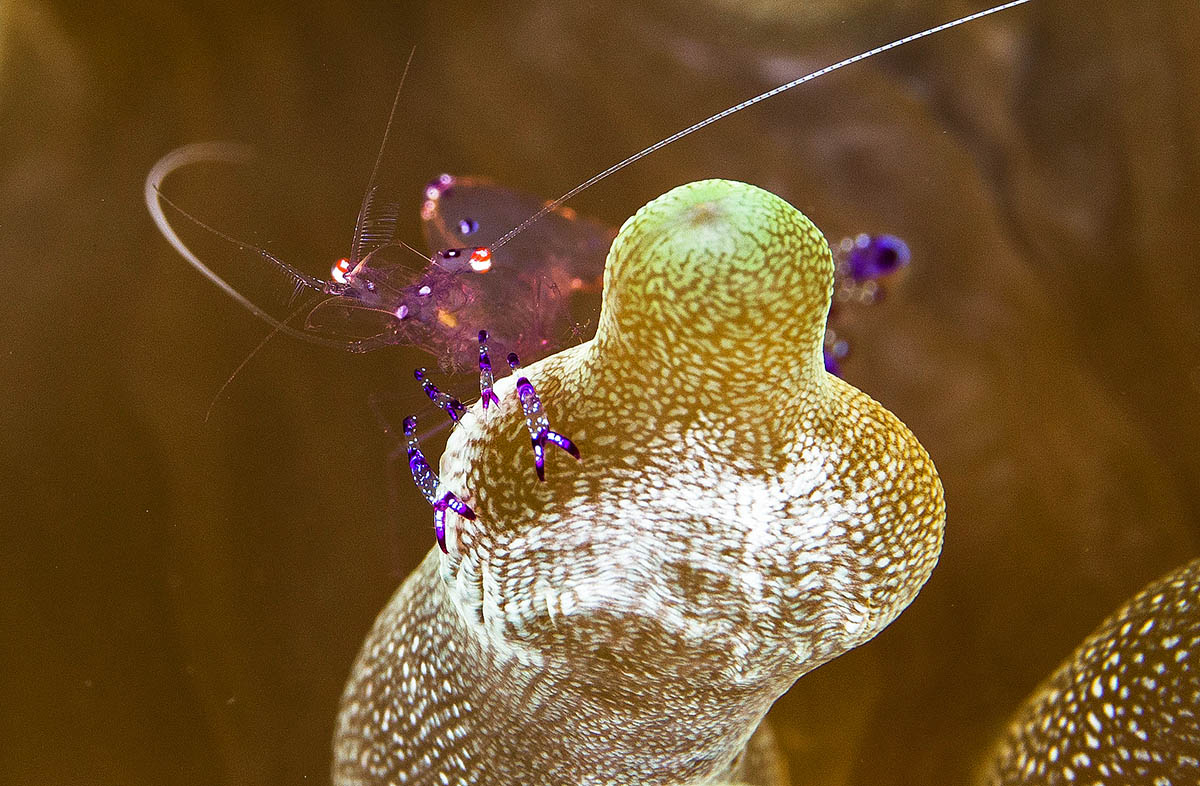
point(340, 270)
point(402, 312)
point(451, 253)
point(481, 259)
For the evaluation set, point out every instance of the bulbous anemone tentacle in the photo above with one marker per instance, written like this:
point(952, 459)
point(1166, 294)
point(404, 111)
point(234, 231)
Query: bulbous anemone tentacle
point(739, 517)
point(1124, 708)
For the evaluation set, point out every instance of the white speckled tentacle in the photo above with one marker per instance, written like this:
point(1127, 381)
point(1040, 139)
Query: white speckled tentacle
point(738, 518)
point(1124, 708)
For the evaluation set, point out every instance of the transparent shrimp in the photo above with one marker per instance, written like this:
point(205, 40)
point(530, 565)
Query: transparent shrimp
point(386, 293)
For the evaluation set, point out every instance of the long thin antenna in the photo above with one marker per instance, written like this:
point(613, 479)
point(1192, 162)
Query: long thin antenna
point(221, 151)
point(594, 179)
point(301, 279)
point(369, 194)
point(216, 396)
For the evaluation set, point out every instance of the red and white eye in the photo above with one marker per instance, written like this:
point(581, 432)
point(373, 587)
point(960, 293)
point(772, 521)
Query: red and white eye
point(481, 259)
point(341, 271)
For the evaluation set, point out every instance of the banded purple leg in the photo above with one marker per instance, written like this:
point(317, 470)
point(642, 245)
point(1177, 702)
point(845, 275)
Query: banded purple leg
point(864, 267)
point(452, 406)
point(427, 482)
point(486, 378)
point(537, 422)
point(877, 256)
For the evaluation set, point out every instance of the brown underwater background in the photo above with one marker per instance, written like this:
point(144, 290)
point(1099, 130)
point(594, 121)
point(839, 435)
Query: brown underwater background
point(180, 600)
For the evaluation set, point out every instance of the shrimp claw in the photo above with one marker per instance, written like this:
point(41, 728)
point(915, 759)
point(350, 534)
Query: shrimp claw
point(486, 378)
point(452, 406)
point(537, 422)
point(427, 481)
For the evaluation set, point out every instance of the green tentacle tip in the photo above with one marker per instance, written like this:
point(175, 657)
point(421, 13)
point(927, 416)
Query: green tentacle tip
point(718, 257)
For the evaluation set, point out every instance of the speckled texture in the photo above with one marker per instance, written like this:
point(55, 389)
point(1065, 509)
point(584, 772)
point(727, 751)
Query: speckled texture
point(739, 517)
point(1125, 708)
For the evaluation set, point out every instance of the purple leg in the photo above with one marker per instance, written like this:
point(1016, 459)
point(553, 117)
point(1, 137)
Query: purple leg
point(486, 378)
point(554, 438)
point(875, 256)
point(537, 422)
point(427, 481)
point(439, 526)
point(458, 506)
point(539, 459)
point(452, 406)
point(448, 502)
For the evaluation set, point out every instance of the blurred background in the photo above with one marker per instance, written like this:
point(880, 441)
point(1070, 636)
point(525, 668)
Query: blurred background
point(181, 599)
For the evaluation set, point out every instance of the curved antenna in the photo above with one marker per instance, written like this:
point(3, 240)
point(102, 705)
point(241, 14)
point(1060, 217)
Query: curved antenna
point(207, 152)
point(231, 152)
point(594, 179)
point(245, 361)
point(363, 235)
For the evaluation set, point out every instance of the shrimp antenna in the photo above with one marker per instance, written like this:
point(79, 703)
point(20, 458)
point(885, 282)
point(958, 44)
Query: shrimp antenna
point(361, 235)
point(301, 279)
point(230, 151)
point(216, 396)
point(594, 179)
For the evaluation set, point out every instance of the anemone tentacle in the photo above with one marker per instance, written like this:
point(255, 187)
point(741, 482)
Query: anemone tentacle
point(739, 517)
